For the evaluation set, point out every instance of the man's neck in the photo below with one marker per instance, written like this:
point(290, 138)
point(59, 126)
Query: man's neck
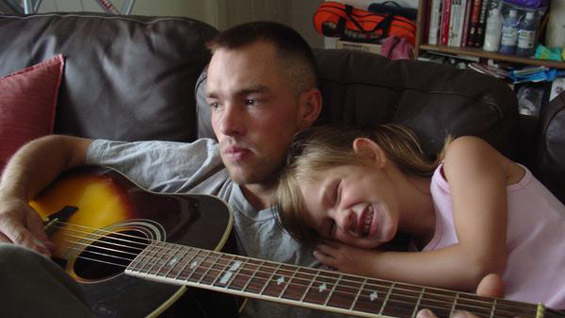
point(258, 195)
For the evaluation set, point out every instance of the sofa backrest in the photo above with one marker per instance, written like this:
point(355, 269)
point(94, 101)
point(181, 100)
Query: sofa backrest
point(125, 77)
point(364, 90)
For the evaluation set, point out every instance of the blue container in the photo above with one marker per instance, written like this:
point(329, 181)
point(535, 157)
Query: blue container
point(509, 39)
point(527, 35)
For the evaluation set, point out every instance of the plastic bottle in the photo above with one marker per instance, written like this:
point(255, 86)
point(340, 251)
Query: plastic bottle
point(527, 35)
point(493, 30)
point(509, 33)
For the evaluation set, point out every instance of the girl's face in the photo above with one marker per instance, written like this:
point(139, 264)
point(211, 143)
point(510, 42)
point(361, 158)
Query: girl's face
point(353, 204)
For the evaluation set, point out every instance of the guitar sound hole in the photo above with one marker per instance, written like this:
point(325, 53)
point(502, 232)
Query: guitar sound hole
point(109, 255)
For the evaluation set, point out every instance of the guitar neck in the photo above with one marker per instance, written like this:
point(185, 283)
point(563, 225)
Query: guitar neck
point(313, 288)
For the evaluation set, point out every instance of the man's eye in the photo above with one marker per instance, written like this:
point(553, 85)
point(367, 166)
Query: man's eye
point(250, 102)
point(214, 105)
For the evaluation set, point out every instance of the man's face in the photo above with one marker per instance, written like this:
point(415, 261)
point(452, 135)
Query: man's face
point(254, 113)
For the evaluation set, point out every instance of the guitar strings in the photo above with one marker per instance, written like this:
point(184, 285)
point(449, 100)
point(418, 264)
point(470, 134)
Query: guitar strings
point(148, 240)
point(110, 238)
point(396, 301)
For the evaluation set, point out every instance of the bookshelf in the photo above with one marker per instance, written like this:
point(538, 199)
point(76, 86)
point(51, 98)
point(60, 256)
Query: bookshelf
point(422, 45)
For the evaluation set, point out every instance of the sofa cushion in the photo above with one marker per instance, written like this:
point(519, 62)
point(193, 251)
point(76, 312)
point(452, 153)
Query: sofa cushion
point(27, 105)
point(126, 77)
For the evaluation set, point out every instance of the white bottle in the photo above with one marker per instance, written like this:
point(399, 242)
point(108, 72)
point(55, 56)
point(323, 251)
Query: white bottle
point(493, 30)
point(555, 32)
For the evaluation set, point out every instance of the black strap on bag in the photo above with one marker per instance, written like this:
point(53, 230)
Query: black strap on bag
point(393, 8)
point(384, 25)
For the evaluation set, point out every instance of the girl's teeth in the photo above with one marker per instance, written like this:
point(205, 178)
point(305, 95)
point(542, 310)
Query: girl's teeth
point(367, 221)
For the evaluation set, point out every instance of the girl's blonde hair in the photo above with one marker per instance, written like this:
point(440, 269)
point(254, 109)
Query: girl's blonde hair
point(320, 148)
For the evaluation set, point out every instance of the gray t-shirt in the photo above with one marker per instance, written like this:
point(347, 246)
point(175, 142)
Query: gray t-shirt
point(173, 167)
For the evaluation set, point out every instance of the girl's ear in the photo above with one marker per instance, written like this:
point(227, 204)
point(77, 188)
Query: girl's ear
point(369, 149)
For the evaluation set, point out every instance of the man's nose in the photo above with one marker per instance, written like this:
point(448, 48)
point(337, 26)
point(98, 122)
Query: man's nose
point(232, 121)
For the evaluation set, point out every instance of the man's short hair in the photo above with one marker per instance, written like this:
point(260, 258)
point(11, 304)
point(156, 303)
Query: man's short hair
point(294, 53)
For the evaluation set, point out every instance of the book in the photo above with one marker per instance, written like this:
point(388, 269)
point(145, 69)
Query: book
point(435, 21)
point(474, 22)
point(459, 17)
point(446, 14)
point(358, 46)
point(466, 20)
point(454, 21)
point(480, 37)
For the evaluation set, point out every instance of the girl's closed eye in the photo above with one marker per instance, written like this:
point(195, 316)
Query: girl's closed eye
point(331, 229)
point(338, 193)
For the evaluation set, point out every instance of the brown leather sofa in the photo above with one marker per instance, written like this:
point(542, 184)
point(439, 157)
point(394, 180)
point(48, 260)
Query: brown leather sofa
point(139, 78)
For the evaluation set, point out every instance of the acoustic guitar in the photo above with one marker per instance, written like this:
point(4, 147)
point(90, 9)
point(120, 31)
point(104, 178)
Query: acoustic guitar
point(134, 253)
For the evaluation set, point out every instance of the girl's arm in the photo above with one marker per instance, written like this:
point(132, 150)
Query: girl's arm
point(477, 174)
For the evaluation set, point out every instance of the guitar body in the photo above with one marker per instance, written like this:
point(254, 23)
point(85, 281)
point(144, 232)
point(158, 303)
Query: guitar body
point(100, 220)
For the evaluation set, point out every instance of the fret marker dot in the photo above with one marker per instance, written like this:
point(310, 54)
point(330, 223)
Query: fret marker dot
point(173, 261)
point(225, 278)
point(322, 287)
point(193, 265)
point(374, 296)
point(235, 266)
point(280, 280)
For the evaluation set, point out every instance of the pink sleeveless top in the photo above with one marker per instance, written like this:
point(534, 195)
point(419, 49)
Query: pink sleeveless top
point(535, 239)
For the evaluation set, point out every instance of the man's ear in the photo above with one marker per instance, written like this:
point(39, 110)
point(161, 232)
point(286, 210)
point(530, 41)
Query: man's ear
point(310, 107)
point(369, 149)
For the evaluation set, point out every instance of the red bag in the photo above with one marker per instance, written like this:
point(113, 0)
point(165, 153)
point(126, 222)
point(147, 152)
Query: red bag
point(335, 19)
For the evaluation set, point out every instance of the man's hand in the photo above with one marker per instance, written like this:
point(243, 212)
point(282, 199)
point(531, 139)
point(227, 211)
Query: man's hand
point(30, 170)
point(21, 225)
point(491, 285)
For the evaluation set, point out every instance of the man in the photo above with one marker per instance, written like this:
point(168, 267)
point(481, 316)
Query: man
point(261, 89)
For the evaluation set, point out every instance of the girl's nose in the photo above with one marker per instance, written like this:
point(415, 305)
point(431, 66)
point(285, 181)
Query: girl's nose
point(348, 221)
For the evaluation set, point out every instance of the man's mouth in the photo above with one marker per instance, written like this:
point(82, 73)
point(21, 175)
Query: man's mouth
point(235, 153)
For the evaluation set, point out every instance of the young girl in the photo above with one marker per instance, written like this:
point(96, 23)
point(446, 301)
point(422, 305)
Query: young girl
point(470, 213)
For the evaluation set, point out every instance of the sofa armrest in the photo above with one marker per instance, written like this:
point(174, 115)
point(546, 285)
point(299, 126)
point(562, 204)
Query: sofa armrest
point(549, 159)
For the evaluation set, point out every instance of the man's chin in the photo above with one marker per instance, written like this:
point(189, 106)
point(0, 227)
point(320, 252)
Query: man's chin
point(249, 175)
point(240, 176)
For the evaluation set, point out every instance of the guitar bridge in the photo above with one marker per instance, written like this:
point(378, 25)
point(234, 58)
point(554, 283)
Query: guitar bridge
point(60, 216)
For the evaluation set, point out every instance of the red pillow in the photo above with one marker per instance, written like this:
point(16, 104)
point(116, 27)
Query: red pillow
point(27, 105)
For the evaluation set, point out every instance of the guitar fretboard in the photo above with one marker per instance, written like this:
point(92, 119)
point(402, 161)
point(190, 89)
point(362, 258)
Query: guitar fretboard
point(308, 287)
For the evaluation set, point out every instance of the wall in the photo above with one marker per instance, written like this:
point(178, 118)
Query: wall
point(219, 13)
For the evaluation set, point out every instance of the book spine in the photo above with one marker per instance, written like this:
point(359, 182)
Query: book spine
point(466, 20)
point(446, 14)
point(453, 20)
point(458, 32)
point(482, 23)
point(474, 22)
point(435, 20)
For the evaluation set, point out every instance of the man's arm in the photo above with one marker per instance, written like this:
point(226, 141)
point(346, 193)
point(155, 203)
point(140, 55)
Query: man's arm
point(29, 171)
